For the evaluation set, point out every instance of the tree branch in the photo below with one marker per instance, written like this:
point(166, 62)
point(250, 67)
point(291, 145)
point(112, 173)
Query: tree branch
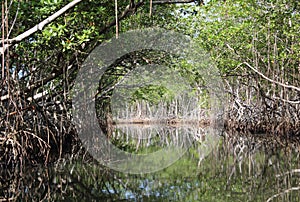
point(40, 26)
point(271, 80)
point(130, 8)
point(172, 1)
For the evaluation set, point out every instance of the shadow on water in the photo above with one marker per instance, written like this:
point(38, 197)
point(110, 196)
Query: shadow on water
point(238, 168)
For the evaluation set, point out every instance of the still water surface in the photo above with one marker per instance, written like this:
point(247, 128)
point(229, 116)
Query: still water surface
point(236, 169)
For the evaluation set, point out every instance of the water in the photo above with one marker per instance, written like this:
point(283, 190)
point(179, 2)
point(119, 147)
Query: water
point(236, 169)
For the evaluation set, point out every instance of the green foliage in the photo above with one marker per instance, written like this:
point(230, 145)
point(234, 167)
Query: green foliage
point(152, 93)
point(233, 32)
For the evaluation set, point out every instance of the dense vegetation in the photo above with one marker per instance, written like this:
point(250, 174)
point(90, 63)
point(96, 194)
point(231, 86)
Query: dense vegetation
point(255, 44)
point(256, 47)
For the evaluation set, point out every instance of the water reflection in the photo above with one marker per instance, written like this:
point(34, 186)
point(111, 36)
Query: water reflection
point(240, 168)
point(143, 137)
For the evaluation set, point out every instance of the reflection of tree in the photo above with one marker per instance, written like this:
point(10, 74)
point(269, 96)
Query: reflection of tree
point(251, 166)
point(239, 169)
point(143, 138)
point(89, 182)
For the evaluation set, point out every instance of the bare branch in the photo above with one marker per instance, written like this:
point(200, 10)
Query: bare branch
point(150, 11)
point(117, 19)
point(172, 1)
point(271, 80)
point(288, 101)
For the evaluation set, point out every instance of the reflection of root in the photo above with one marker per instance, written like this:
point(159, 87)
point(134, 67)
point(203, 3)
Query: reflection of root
point(201, 157)
point(158, 135)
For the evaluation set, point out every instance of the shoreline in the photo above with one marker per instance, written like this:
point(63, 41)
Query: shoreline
point(166, 121)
